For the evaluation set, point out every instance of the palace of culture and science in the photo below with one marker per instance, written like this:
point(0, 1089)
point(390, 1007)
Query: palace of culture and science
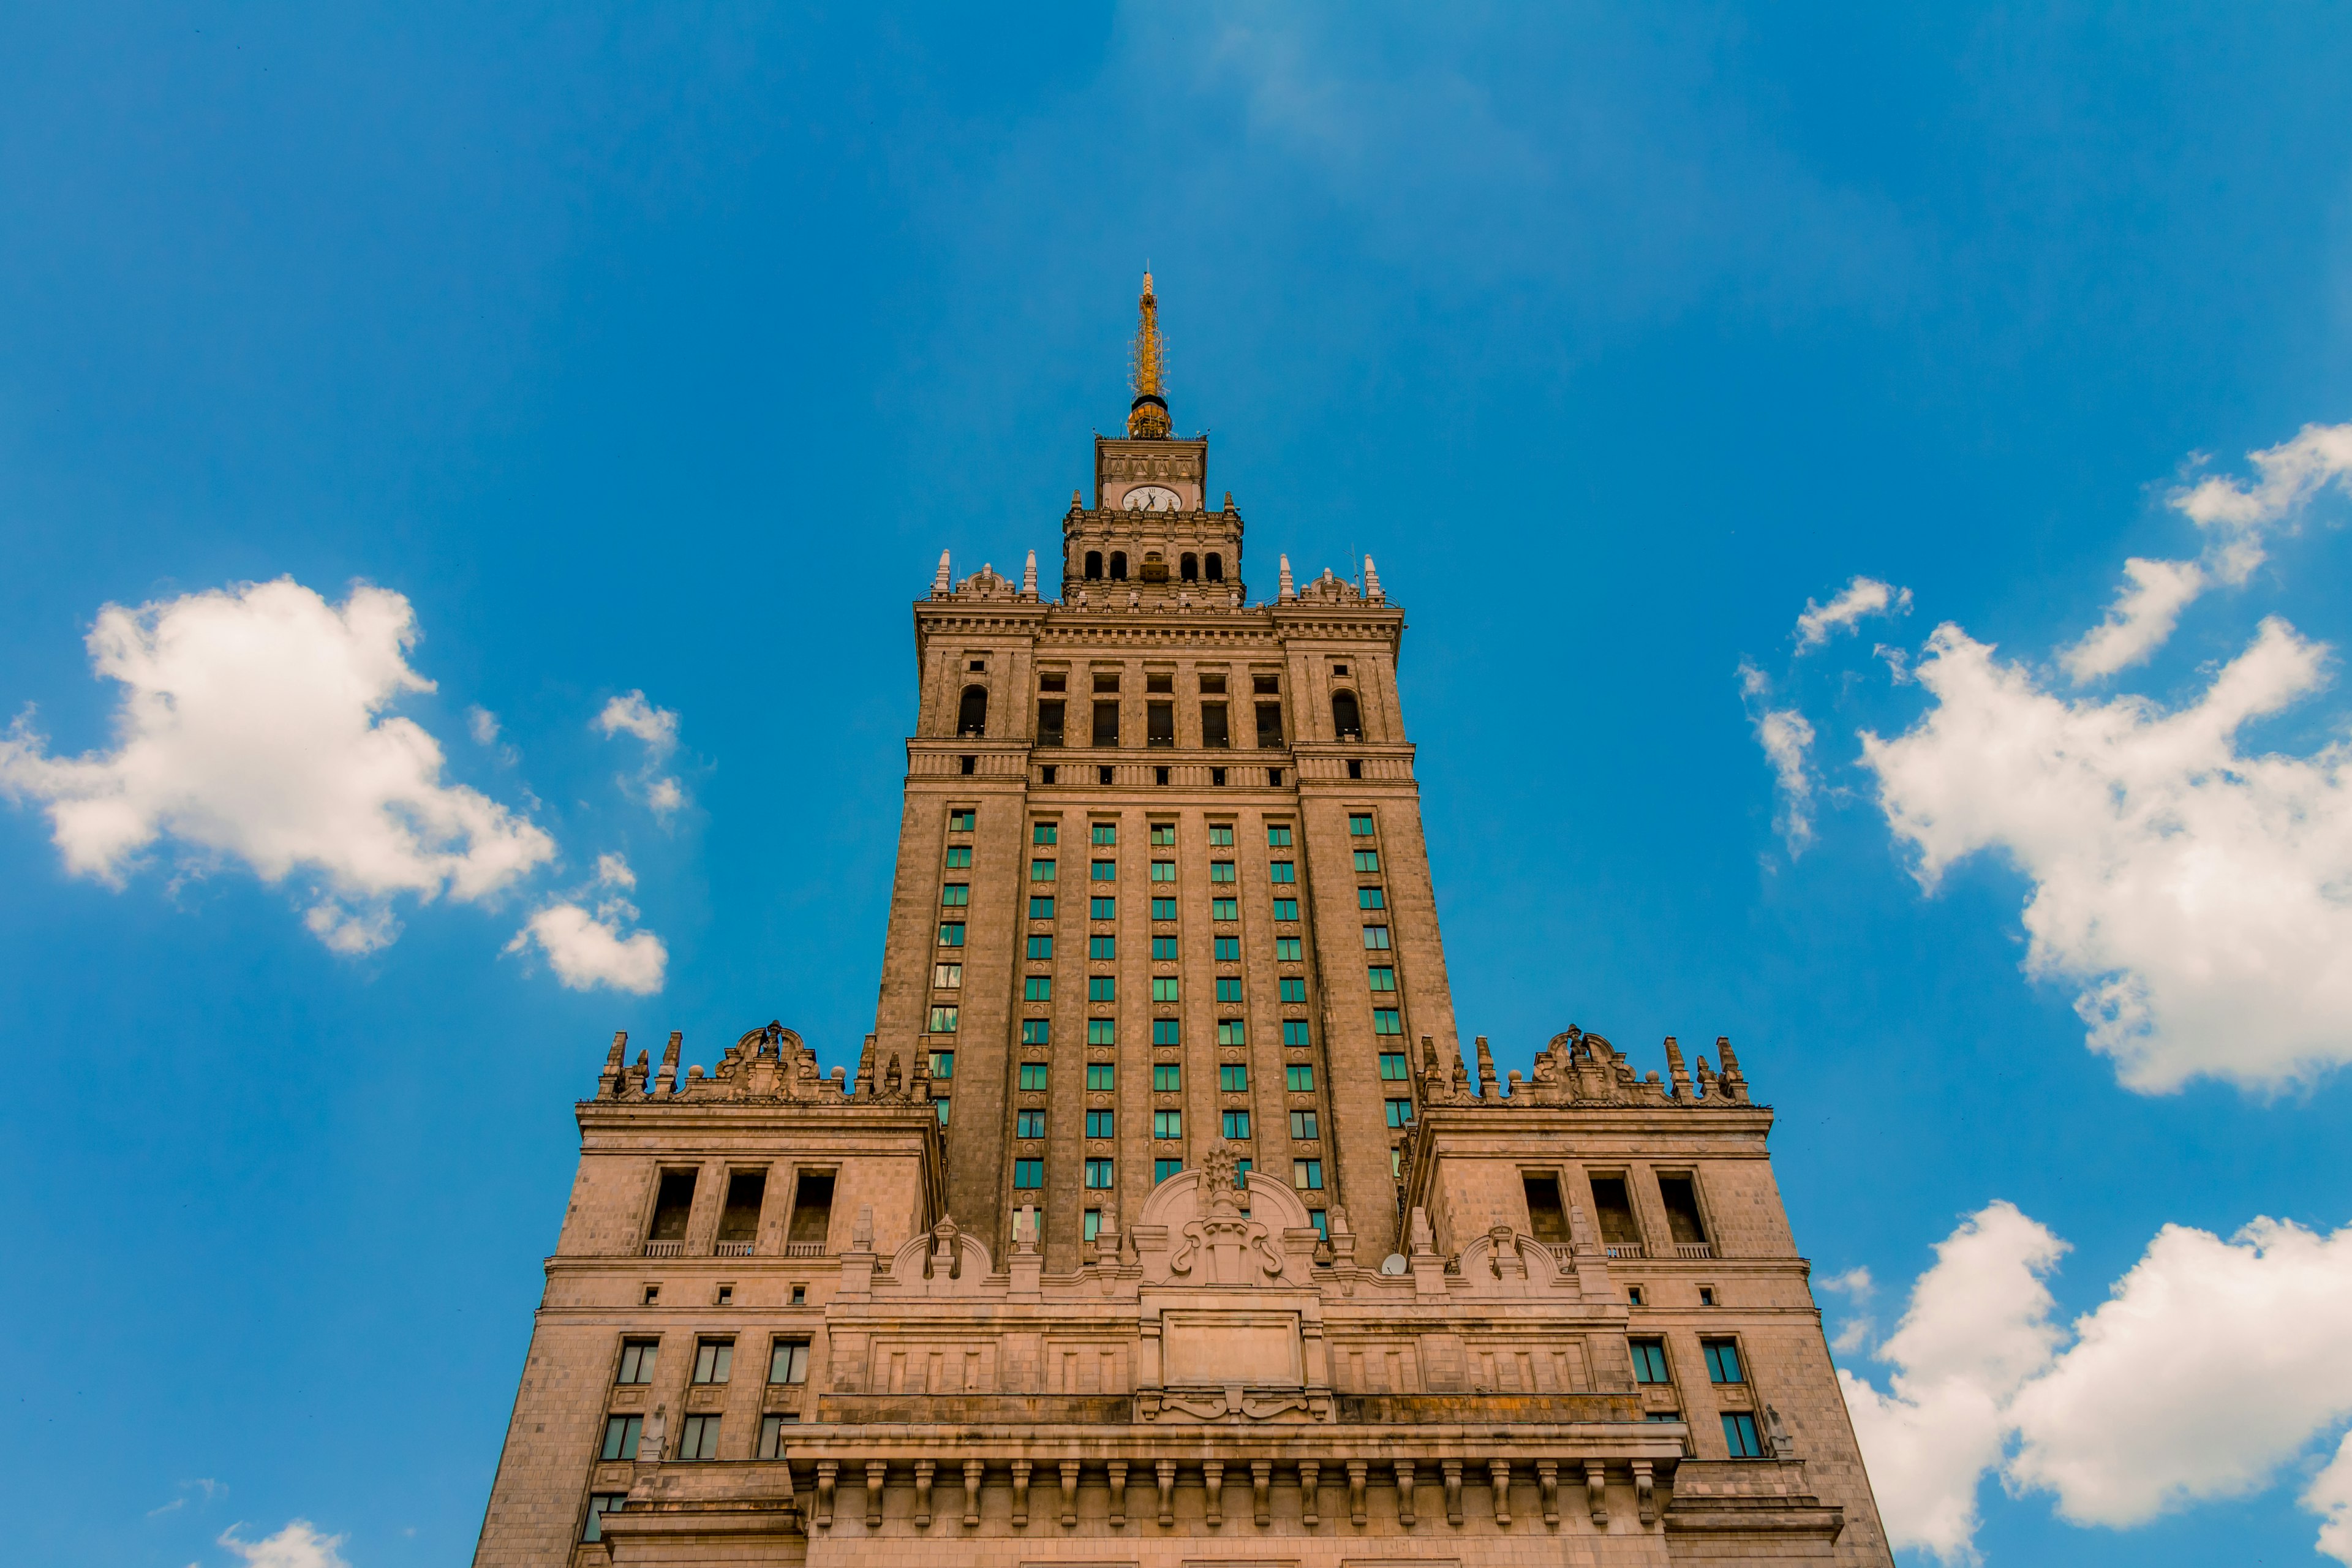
point(1165, 1221)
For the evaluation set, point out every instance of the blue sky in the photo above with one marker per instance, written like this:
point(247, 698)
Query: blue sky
point(651, 359)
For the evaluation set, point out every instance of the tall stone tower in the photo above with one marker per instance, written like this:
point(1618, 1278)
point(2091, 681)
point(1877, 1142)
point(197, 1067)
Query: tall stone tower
point(1163, 1223)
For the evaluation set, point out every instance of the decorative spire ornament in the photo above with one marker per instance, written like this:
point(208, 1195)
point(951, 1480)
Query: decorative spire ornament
point(940, 580)
point(1147, 417)
point(1029, 577)
point(1371, 580)
point(1288, 591)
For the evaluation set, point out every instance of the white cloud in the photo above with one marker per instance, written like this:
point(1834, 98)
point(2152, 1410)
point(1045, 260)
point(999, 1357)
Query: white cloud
point(1862, 597)
point(2142, 617)
point(483, 725)
point(1857, 1287)
point(2209, 1366)
point(658, 728)
point(616, 870)
point(2291, 472)
point(1787, 737)
point(252, 726)
point(2198, 897)
point(298, 1545)
point(588, 950)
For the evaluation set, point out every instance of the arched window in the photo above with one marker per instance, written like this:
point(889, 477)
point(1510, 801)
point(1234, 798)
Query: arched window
point(1188, 567)
point(1094, 565)
point(1216, 567)
point(1346, 717)
point(972, 718)
point(1119, 565)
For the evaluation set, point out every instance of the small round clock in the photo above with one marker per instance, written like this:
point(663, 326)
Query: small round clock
point(1151, 498)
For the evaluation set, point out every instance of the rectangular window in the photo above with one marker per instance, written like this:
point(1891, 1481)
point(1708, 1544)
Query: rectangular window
point(1285, 908)
point(1044, 833)
point(1215, 731)
point(673, 1201)
point(1370, 899)
point(1614, 1209)
point(1041, 870)
point(621, 1434)
point(1099, 1174)
point(1101, 908)
point(951, 935)
point(713, 1358)
point(1163, 949)
point(1028, 1173)
point(1739, 1435)
point(1306, 1175)
point(599, 1505)
point(1321, 1222)
point(699, 1438)
point(1038, 988)
point(1282, 871)
point(1229, 988)
point(1102, 987)
point(739, 1221)
point(947, 977)
point(1163, 908)
point(1041, 947)
point(1299, 1077)
point(1277, 835)
point(1547, 1218)
point(1105, 833)
point(943, 1107)
point(1163, 833)
point(1221, 836)
point(1287, 950)
point(1167, 1032)
point(638, 1361)
point(1041, 908)
point(1105, 723)
point(1102, 1077)
point(1302, 1124)
point(1163, 988)
point(1650, 1361)
point(959, 856)
point(1167, 1077)
point(943, 1064)
point(1159, 724)
point(1368, 860)
point(811, 1221)
point(1387, 1021)
point(1376, 939)
point(1229, 949)
point(943, 1020)
point(956, 895)
point(1233, 1077)
point(1163, 1169)
point(1098, 1124)
point(1090, 1224)
point(1103, 870)
point(1231, 1032)
point(1028, 1124)
point(1036, 1031)
point(1683, 1222)
point(960, 821)
point(1399, 1112)
point(1168, 1124)
point(1033, 1077)
point(772, 1431)
point(1237, 1124)
point(1163, 870)
point(1722, 1361)
point(788, 1362)
point(1102, 1032)
point(1294, 1032)
point(1293, 988)
point(1382, 977)
point(1360, 824)
point(1052, 722)
point(1269, 724)
point(1105, 680)
point(1221, 870)
point(1224, 908)
point(1102, 948)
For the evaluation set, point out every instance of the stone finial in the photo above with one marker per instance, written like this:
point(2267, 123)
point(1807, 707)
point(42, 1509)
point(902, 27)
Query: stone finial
point(667, 1084)
point(608, 1082)
point(1029, 577)
point(1372, 581)
point(864, 1086)
point(637, 1074)
point(1229, 500)
point(940, 579)
point(1077, 503)
point(1485, 1070)
point(1288, 590)
point(1674, 1071)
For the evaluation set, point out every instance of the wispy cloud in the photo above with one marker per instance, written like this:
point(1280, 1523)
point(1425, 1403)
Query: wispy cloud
point(657, 729)
point(1862, 597)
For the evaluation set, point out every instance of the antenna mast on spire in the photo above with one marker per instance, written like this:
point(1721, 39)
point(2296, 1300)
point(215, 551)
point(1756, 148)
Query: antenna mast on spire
point(1147, 415)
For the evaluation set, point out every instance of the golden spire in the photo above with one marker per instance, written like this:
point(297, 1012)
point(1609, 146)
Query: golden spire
point(1147, 415)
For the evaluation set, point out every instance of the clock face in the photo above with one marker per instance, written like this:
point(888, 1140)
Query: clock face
point(1151, 498)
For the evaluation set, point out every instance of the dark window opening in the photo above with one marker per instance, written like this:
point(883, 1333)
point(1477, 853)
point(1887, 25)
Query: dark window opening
point(1160, 680)
point(1213, 725)
point(1106, 680)
point(1269, 724)
point(971, 715)
point(1119, 565)
point(672, 1203)
point(971, 764)
point(812, 1211)
point(1155, 569)
point(1105, 723)
point(1346, 717)
point(1265, 685)
point(1355, 768)
point(1683, 1222)
point(1159, 775)
point(1615, 1211)
point(1049, 724)
point(977, 664)
point(1545, 1218)
point(1102, 775)
point(1159, 724)
point(1212, 685)
point(1188, 567)
point(1056, 681)
point(1217, 777)
point(1216, 567)
point(740, 1221)
point(1094, 565)
point(1046, 774)
point(1273, 777)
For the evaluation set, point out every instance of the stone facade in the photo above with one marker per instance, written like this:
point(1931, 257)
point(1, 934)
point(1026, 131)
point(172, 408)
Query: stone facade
point(1162, 1223)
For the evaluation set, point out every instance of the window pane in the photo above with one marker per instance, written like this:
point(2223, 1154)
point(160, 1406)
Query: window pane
point(1294, 1032)
point(1387, 1021)
point(1163, 949)
point(1285, 908)
point(1231, 1032)
point(1102, 908)
point(1043, 833)
point(1229, 988)
point(1286, 949)
point(1028, 1172)
point(1163, 833)
point(1167, 1032)
point(1307, 1174)
point(1359, 825)
point(1163, 1169)
point(1099, 1173)
point(1041, 947)
point(1038, 988)
point(1028, 1124)
point(1229, 949)
point(788, 1363)
point(1302, 1124)
point(1105, 833)
point(1168, 1124)
point(1277, 836)
point(1393, 1067)
point(1282, 870)
point(1382, 977)
point(1103, 870)
point(1293, 989)
point(1098, 1124)
point(1224, 908)
point(1220, 837)
point(1102, 987)
point(1033, 1076)
point(956, 894)
point(1167, 1077)
point(1740, 1436)
point(1370, 899)
point(951, 935)
point(943, 1020)
point(1300, 1078)
point(1163, 908)
point(1648, 1360)
point(1163, 870)
point(1221, 870)
point(1037, 1031)
point(1233, 1077)
point(1368, 860)
point(958, 855)
point(1041, 870)
point(1399, 1112)
point(943, 1064)
point(1102, 1076)
point(1163, 988)
point(1376, 938)
point(1102, 1032)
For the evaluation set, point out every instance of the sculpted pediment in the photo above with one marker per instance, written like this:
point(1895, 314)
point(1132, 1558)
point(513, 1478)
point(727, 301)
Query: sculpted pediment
point(1203, 1227)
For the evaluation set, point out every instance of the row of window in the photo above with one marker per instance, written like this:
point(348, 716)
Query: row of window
point(1029, 1175)
point(1030, 1122)
point(1168, 1078)
point(1289, 988)
point(957, 896)
point(965, 818)
point(1102, 947)
point(1045, 871)
point(714, 1362)
point(1296, 1032)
